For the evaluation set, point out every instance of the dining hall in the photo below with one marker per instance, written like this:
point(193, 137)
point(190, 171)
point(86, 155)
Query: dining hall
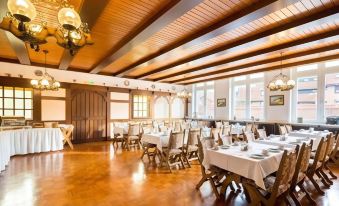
point(169, 102)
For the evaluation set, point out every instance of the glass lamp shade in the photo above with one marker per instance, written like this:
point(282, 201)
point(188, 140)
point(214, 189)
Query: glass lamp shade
point(271, 85)
point(44, 82)
point(23, 10)
point(69, 18)
point(290, 82)
point(279, 82)
point(35, 28)
point(56, 84)
point(34, 82)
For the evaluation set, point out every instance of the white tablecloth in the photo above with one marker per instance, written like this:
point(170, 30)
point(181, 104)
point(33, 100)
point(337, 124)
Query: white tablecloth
point(289, 142)
point(158, 139)
point(306, 133)
point(25, 141)
point(240, 162)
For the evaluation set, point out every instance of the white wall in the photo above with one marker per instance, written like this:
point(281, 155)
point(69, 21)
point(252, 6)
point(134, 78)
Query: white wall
point(221, 90)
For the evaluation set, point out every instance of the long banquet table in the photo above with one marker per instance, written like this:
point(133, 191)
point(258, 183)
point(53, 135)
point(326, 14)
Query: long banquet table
point(26, 141)
point(240, 162)
point(159, 139)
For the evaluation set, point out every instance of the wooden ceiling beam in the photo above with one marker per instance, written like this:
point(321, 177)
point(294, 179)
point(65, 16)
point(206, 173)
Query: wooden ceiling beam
point(249, 55)
point(90, 12)
point(255, 11)
point(18, 46)
point(281, 27)
point(175, 10)
point(261, 62)
point(293, 64)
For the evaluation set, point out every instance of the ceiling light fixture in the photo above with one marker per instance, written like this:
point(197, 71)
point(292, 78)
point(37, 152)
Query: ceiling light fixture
point(46, 82)
point(185, 94)
point(70, 32)
point(281, 82)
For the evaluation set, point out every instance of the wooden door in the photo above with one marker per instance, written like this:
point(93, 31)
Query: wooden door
point(89, 116)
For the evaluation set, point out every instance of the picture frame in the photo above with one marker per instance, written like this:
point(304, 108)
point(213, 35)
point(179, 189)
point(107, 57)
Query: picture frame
point(277, 100)
point(221, 102)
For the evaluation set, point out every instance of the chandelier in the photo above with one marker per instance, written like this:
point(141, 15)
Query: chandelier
point(46, 82)
point(184, 94)
point(28, 24)
point(281, 82)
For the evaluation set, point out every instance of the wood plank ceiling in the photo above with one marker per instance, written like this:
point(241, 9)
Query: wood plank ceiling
point(185, 42)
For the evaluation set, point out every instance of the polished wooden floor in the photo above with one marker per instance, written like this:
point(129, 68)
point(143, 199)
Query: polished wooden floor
point(96, 174)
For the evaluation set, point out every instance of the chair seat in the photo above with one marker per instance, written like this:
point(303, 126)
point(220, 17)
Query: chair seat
point(173, 151)
point(269, 183)
point(133, 137)
point(119, 137)
point(192, 148)
point(311, 161)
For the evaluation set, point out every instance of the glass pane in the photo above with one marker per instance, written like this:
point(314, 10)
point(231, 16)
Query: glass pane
point(1, 100)
point(135, 98)
point(257, 100)
point(19, 92)
point(28, 93)
point(8, 92)
point(19, 104)
point(240, 102)
point(200, 103)
point(1, 112)
point(144, 99)
point(210, 102)
point(19, 113)
point(28, 104)
point(8, 112)
point(200, 85)
point(28, 114)
point(332, 95)
point(332, 63)
point(307, 67)
point(135, 114)
point(8, 104)
point(240, 78)
point(307, 98)
point(136, 106)
point(144, 113)
point(1, 91)
point(139, 113)
point(145, 106)
point(210, 83)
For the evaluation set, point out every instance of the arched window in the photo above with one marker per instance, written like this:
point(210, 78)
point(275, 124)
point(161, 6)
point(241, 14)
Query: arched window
point(161, 108)
point(178, 108)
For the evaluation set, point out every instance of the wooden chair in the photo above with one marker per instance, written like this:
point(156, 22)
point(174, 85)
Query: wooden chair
point(184, 126)
point(282, 130)
point(163, 128)
point(249, 136)
point(212, 174)
point(191, 146)
point(277, 187)
point(67, 133)
point(148, 149)
point(225, 136)
point(261, 133)
point(324, 166)
point(173, 155)
point(38, 125)
point(334, 155)
point(177, 126)
point(248, 127)
point(118, 136)
point(300, 175)
point(133, 138)
point(218, 124)
point(288, 128)
point(316, 164)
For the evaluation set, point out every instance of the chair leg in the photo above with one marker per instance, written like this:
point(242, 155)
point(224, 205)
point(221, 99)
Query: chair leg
point(182, 162)
point(188, 163)
point(315, 184)
point(215, 190)
point(326, 177)
point(203, 179)
point(322, 179)
point(330, 172)
point(308, 196)
point(294, 198)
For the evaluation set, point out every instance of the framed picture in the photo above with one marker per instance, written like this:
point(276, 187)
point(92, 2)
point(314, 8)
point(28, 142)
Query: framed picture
point(277, 100)
point(221, 102)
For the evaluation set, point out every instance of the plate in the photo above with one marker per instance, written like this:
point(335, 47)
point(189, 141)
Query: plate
point(294, 143)
point(257, 156)
point(274, 150)
point(224, 147)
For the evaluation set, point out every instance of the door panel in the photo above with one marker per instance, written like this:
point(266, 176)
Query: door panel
point(89, 115)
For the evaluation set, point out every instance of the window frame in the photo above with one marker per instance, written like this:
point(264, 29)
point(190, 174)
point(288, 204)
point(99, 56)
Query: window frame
point(148, 106)
point(203, 87)
point(13, 97)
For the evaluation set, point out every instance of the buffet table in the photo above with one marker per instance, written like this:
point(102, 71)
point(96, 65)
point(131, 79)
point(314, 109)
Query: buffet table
point(26, 141)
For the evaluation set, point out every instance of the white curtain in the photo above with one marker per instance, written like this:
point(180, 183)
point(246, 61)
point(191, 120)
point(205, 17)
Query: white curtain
point(161, 108)
point(178, 108)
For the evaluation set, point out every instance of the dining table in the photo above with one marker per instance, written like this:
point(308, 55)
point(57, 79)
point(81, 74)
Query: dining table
point(160, 139)
point(28, 141)
point(251, 164)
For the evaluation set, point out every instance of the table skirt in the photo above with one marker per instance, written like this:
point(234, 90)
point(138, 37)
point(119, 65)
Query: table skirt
point(27, 141)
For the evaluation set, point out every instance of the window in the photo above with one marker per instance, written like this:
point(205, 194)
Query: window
point(16, 101)
point(178, 108)
point(203, 94)
point(119, 105)
point(240, 102)
point(307, 68)
point(332, 63)
point(331, 95)
point(161, 107)
point(140, 106)
point(248, 97)
point(307, 98)
point(257, 108)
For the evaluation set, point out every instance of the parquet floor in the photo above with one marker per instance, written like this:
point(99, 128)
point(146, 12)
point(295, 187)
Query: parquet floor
point(95, 174)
